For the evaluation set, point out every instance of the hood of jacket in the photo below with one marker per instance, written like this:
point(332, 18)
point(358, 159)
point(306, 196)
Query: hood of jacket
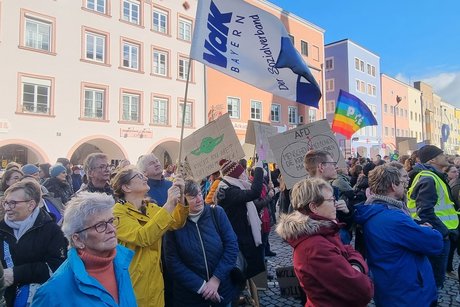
point(296, 227)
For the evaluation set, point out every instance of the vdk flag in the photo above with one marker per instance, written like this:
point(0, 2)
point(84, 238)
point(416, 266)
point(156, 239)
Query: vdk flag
point(251, 45)
point(351, 114)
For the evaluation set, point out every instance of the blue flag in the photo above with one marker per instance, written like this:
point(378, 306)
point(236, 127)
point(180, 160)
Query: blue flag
point(251, 45)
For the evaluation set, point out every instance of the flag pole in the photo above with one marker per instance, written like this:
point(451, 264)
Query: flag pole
point(183, 109)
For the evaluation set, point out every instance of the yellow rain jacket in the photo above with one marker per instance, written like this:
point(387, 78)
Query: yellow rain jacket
point(142, 233)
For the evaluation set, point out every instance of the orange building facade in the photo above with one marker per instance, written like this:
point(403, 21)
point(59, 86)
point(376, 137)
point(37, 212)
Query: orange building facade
point(395, 111)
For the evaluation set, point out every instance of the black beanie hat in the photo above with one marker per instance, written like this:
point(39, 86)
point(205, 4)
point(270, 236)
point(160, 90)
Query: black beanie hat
point(428, 152)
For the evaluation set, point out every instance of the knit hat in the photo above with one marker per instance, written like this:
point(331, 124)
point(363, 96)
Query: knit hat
point(29, 169)
point(57, 169)
point(230, 168)
point(428, 152)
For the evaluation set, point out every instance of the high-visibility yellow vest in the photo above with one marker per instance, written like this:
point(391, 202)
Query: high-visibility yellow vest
point(444, 208)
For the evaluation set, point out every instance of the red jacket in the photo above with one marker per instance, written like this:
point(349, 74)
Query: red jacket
point(323, 264)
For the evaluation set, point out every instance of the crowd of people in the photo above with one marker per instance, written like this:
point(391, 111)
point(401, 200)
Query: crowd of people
point(145, 235)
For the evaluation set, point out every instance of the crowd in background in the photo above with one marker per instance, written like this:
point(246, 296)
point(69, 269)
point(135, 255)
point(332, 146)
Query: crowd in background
point(148, 235)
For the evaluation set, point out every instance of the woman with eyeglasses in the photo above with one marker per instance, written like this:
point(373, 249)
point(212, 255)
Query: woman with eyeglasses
point(141, 228)
point(201, 255)
point(96, 270)
point(32, 244)
point(330, 273)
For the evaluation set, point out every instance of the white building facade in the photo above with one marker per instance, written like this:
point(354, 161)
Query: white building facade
point(96, 76)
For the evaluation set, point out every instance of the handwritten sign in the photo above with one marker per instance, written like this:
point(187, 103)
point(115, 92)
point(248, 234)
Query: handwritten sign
point(289, 149)
point(288, 282)
point(258, 134)
point(205, 147)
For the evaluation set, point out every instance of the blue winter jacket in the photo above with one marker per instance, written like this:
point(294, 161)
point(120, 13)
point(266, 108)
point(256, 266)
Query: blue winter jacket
point(187, 263)
point(72, 286)
point(397, 250)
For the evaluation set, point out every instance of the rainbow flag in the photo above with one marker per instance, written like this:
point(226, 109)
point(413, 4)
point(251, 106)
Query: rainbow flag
point(351, 114)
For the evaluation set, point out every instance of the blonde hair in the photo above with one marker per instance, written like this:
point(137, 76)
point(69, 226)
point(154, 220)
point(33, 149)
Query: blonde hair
point(308, 191)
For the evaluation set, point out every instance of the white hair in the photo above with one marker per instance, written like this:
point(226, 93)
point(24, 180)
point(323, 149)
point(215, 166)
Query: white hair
point(80, 208)
point(144, 161)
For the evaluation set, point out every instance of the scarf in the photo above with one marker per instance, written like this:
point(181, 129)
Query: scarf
point(21, 227)
point(194, 217)
point(253, 216)
point(390, 202)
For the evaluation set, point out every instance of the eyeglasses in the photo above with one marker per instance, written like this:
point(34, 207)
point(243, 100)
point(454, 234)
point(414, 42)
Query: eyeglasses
point(102, 226)
point(138, 175)
point(102, 167)
point(194, 197)
point(331, 199)
point(333, 163)
point(12, 203)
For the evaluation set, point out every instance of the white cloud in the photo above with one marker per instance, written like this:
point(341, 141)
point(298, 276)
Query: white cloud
point(446, 85)
point(402, 78)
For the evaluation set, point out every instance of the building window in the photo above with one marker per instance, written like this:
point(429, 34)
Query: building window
point(99, 6)
point(369, 89)
point(304, 48)
point(131, 107)
point(397, 132)
point(256, 110)
point(132, 11)
point(330, 64)
point(131, 55)
point(94, 106)
point(330, 106)
point(374, 90)
point(160, 111)
point(386, 131)
point(275, 113)
point(385, 108)
point(293, 115)
point(96, 47)
point(362, 86)
point(160, 21)
point(373, 71)
point(37, 34)
point(182, 66)
point(188, 114)
point(160, 60)
point(356, 63)
point(311, 115)
point(369, 69)
point(185, 29)
point(291, 37)
point(36, 95)
point(233, 106)
point(361, 65)
point(330, 85)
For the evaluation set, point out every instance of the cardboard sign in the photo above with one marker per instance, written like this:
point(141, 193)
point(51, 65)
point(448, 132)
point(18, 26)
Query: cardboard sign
point(290, 147)
point(205, 147)
point(288, 282)
point(258, 134)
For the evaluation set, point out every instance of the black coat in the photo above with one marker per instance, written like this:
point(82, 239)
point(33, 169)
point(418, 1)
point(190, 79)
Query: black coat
point(234, 200)
point(59, 189)
point(42, 248)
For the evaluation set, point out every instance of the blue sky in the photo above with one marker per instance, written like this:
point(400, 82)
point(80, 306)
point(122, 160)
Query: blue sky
point(416, 40)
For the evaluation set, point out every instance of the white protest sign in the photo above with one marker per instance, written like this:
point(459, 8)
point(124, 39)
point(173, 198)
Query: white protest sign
point(263, 132)
point(290, 147)
point(208, 145)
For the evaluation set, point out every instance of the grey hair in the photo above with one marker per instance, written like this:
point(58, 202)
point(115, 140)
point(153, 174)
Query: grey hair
point(31, 190)
point(88, 164)
point(80, 208)
point(144, 161)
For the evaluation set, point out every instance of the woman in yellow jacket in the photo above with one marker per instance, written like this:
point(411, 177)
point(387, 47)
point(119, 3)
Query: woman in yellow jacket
point(141, 228)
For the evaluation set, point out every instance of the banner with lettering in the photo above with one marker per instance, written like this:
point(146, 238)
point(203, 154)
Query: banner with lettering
point(249, 44)
point(205, 147)
point(290, 147)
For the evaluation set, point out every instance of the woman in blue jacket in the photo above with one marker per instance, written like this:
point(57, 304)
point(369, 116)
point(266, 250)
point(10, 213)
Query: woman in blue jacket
point(96, 270)
point(202, 254)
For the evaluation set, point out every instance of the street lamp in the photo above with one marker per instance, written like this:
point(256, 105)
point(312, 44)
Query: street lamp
point(398, 100)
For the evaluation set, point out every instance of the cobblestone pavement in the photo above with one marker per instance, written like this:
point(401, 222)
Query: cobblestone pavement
point(271, 296)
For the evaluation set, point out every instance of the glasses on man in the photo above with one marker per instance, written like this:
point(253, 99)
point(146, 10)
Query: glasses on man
point(100, 227)
point(12, 203)
point(331, 200)
point(102, 167)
